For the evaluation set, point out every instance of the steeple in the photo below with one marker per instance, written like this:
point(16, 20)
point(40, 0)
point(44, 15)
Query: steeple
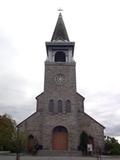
point(60, 32)
point(60, 49)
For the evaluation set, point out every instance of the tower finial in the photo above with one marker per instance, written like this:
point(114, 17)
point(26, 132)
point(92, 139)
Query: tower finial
point(60, 9)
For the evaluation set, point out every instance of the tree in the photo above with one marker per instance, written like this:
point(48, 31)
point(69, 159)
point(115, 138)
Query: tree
point(7, 131)
point(8, 135)
point(83, 142)
point(112, 146)
point(18, 144)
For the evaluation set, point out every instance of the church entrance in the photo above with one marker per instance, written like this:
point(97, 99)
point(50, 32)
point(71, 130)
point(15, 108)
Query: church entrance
point(60, 138)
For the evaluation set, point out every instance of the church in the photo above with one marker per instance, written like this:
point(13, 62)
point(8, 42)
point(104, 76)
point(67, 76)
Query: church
point(60, 119)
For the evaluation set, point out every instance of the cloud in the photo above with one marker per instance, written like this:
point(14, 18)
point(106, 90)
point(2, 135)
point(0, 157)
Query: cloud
point(8, 56)
point(14, 98)
point(11, 88)
point(18, 112)
point(105, 108)
point(113, 130)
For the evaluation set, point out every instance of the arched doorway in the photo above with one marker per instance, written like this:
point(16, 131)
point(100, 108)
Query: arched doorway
point(30, 143)
point(60, 138)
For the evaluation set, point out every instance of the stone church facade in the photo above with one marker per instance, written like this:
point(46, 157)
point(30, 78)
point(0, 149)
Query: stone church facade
point(60, 119)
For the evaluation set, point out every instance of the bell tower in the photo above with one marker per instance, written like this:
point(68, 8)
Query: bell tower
point(60, 49)
point(60, 108)
point(60, 65)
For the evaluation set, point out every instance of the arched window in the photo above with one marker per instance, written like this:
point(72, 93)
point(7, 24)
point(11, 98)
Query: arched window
point(60, 57)
point(60, 106)
point(51, 105)
point(68, 106)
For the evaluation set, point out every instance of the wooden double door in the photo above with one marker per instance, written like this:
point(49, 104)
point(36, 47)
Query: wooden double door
point(60, 138)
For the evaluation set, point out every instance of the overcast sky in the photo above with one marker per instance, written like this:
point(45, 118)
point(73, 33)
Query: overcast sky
point(94, 25)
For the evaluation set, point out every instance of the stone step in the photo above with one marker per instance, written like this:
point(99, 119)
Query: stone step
point(58, 153)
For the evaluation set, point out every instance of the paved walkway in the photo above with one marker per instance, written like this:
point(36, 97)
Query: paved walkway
point(5, 157)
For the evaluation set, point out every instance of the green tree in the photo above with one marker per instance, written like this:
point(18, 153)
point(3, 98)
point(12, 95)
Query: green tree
point(9, 139)
point(7, 131)
point(83, 142)
point(18, 144)
point(112, 146)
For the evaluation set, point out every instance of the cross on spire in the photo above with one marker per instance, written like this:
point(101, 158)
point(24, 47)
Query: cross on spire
point(60, 9)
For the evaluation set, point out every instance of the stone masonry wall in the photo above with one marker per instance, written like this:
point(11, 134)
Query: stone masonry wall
point(92, 128)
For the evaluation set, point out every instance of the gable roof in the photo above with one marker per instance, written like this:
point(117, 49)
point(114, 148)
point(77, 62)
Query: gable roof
point(94, 120)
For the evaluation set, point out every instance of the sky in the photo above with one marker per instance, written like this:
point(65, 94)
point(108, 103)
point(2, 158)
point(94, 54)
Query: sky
point(94, 25)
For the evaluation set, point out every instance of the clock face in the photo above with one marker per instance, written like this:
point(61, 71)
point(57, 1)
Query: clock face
point(59, 79)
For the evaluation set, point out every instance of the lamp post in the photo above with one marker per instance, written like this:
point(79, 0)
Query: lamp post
point(18, 147)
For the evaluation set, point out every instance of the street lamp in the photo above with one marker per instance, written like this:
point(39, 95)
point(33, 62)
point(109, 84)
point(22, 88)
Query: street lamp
point(18, 147)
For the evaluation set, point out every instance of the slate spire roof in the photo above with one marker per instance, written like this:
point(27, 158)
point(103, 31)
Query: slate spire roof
point(60, 32)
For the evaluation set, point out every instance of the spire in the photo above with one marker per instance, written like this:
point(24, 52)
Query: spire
point(60, 32)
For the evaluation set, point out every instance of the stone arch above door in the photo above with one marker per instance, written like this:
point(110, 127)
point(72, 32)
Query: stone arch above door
point(60, 138)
